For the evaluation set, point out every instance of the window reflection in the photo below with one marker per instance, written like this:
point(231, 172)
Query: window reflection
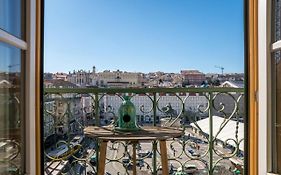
point(277, 20)
point(10, 109)
point(277, 123)
point(10, 17)
point(277, 86)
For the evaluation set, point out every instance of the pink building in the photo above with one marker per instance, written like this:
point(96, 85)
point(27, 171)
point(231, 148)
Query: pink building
point(192, 77)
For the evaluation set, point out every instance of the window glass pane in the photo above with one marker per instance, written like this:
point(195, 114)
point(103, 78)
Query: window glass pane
point(277, 120)
point(277, 20)
point(276, 93)
point(10, 16)
point(11, 113)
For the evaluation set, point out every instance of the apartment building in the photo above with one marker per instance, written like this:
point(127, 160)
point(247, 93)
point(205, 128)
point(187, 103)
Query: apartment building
point(60, 76)
point(81, 78)
point(106, 78)
point(193, 77)
point(116, 79)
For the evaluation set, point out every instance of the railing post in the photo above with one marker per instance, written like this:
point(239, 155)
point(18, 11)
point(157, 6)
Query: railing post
point(154, 108)
point(211, 141)
point(97, 154)
point(184, 118)
point(154, 146)
point(68, 122)
point(97, 117)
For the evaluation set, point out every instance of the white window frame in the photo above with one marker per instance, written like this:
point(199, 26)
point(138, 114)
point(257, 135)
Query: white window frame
point(265, 48)
point(28, 46)
point(30, 88)
point(12, 40)
point(264, 86)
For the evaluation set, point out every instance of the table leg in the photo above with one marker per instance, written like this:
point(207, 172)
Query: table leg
point(103, 147)
point(164, 157)
point(134, 159)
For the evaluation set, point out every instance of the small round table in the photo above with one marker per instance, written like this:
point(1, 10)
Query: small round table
point(105, 134)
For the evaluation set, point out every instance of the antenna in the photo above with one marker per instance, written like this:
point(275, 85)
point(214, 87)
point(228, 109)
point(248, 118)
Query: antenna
point(221, 68)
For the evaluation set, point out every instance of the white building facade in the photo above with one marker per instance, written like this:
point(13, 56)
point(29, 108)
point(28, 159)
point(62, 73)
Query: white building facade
point(116, 79)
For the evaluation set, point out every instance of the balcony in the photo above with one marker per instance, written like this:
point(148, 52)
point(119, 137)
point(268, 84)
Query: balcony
point(212, 119)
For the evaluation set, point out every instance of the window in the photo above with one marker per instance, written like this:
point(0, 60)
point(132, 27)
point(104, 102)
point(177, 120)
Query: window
point(276, 85)
point(12, 86)
point(162, 104)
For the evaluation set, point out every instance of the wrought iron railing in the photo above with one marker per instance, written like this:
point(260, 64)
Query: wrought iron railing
point(213, 120)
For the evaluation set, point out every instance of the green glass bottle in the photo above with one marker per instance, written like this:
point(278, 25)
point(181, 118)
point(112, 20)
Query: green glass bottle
point(127, 116)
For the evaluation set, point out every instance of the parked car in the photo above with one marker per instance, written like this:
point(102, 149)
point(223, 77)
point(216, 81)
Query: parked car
point(93, 160)
point(190, 169)
point(125, 161)
point(190, 151)
point(128, 166)
point(142, 154)
point(140, 163)
point(195, 154)
point(79, 169)
point(180, 171)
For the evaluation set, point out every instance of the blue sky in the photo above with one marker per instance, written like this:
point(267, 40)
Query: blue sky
point(144, 35)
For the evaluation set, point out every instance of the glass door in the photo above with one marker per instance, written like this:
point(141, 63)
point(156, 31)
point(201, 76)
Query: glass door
point(12, 83)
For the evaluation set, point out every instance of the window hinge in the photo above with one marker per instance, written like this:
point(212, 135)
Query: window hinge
point(256, 95)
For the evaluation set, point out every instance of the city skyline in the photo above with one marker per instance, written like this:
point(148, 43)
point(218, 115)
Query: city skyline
point(144, 36)
point(106, 70)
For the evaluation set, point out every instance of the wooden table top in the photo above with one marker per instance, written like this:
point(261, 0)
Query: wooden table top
point(108, 133)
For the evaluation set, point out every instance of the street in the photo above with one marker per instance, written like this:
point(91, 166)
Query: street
point(195, 153)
